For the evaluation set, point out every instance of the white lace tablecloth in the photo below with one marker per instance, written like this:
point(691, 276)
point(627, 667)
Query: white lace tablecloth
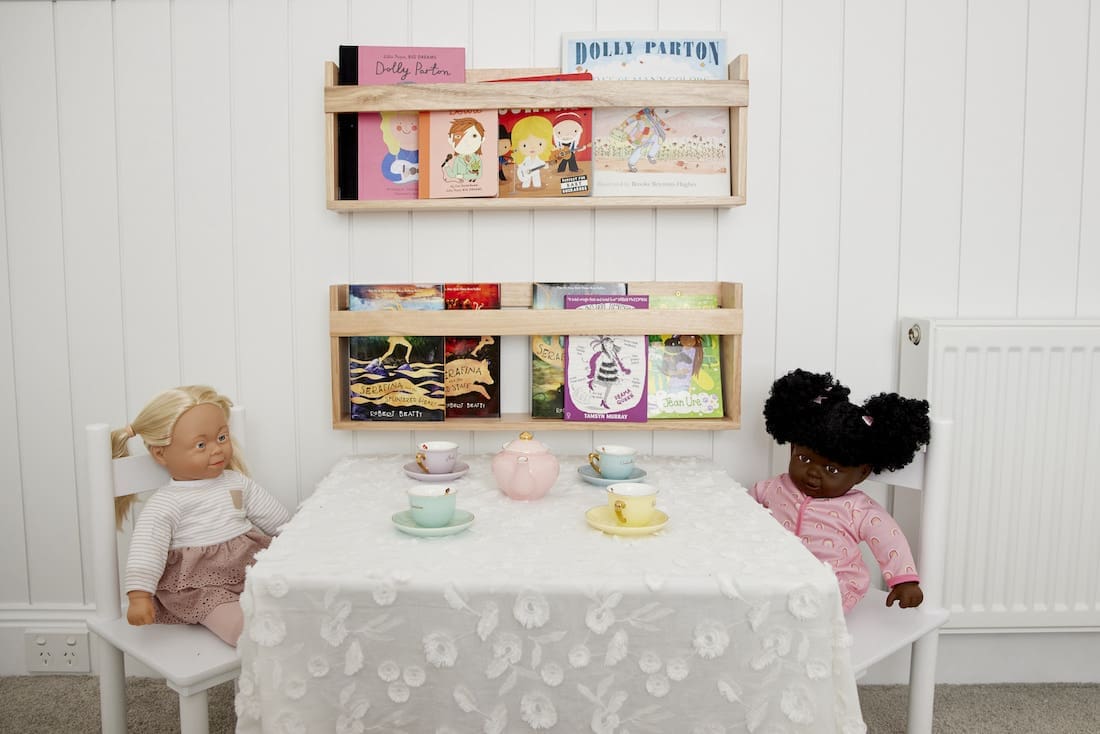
point(531, 620)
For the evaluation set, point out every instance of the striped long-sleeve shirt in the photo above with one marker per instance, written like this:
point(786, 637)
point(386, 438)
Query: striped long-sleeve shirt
point(185, 514)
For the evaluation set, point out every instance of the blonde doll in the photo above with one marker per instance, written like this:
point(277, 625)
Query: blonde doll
point(198, 533)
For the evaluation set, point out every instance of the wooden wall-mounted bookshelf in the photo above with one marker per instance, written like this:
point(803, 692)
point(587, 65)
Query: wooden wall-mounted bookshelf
point(517, 318)
point(733, 93)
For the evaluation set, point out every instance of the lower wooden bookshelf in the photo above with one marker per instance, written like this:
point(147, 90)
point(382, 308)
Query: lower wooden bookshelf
point(517, 318)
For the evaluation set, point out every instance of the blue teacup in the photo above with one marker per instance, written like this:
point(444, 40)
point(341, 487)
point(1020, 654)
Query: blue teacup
point(432, 505)
point(613, 462)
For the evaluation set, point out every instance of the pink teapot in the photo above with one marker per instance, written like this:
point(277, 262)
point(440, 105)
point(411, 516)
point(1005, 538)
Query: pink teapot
point(525, 469)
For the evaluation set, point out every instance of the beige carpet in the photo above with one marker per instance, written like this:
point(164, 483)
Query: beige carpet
point(70, 705)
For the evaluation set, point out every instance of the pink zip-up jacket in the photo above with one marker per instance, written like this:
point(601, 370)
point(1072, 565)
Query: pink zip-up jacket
point(832, 529)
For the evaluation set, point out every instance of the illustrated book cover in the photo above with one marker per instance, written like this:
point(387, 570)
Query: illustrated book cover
point(379, 152)
point(548, 351)
point(605, 376)
point(457, 153)
point(396, 378)
point(685, 374)
point(545, 152)
point(655, 151)
point(472, 366)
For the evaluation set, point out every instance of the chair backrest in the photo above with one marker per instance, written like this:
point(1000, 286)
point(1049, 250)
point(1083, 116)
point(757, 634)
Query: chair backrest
point(930, 471)
point(109, 478)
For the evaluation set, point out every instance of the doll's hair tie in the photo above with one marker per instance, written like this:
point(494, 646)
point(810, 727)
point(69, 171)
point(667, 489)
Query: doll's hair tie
point(819, 399)
point(868, 419)
point(130, 431)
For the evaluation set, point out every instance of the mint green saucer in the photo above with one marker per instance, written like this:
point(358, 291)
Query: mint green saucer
point(403, 521)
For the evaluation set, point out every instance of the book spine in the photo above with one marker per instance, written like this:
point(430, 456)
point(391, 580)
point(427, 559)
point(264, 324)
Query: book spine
point(347, 130)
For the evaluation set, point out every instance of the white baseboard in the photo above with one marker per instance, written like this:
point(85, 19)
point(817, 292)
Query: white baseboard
point(1048, 656)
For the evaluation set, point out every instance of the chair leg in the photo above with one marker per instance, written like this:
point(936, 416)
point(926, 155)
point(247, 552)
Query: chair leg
point(194, 716)
point(922, 683)
point(112, 689)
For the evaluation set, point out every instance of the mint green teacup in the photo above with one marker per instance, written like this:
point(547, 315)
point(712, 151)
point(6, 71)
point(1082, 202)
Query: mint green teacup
point(613, 462)
point(432, 505)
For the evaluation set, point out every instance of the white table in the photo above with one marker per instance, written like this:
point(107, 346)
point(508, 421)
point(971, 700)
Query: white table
point(532, 620)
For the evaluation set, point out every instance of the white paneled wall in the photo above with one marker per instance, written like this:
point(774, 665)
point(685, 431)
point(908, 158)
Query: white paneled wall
point(162, 214)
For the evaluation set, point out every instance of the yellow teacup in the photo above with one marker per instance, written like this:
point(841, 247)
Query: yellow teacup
point(632, 503)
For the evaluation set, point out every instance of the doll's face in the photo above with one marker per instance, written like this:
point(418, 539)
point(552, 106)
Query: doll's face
point(200, 447)
point(817, 477)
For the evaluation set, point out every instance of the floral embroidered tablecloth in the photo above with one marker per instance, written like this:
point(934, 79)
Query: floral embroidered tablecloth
point(531, 620)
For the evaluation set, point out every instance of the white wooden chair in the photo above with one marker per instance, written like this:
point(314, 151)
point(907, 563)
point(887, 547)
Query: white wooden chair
point(190, 657)
point(879, 631)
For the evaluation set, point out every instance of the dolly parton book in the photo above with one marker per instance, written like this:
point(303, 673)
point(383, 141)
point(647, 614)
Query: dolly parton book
point(605, 376)
point(472, 368)
point(396, 378)
point(379, 152)
point(685, 372)
point(655, 151)
point(548, 351)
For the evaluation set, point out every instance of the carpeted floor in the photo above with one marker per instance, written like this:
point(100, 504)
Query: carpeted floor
point(70, 705)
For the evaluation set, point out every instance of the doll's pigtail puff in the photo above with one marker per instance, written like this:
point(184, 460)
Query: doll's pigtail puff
point(155, 423)
point(813, 410)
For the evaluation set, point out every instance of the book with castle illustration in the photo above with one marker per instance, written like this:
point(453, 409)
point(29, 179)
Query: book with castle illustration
point(379, 152)
point(545, 152)
point(655, 151)
point(396, 378)
point(685, 372)
point(605, 376)
point(458, 153)
point(472, 365)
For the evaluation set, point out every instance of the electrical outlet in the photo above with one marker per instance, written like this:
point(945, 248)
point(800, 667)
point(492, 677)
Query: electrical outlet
point(57, 651)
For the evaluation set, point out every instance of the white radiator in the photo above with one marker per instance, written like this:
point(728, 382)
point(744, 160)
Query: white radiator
point(1023, 547)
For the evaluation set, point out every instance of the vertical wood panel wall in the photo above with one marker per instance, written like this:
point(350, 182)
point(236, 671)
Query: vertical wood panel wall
point(162, 213)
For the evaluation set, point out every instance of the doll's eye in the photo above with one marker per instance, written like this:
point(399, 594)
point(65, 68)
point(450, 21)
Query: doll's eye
point(803, 458)
point(200, 445)
point(223, 437)
point(830, 469)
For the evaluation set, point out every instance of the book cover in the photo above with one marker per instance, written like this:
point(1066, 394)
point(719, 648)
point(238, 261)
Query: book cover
point(655, 151)
point(685, 374)
point(548, 352)
point(456, 150)
point(379, 152)
point(472, 365)
point(605, 376)
point(545, 152)
point(396, 378)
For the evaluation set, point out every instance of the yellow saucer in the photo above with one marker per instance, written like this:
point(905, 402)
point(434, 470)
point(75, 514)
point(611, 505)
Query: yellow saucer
point(602, 518)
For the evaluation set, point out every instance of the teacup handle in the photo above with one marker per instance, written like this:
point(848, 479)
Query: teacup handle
point(420, 462)
point(594, 462)
point(619, 507)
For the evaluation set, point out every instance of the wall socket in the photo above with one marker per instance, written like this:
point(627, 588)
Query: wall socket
point(57, 651)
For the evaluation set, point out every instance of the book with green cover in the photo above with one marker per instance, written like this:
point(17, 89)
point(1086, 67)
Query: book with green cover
point(685, 371)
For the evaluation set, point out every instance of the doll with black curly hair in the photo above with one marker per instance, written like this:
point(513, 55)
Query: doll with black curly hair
point(835, 445)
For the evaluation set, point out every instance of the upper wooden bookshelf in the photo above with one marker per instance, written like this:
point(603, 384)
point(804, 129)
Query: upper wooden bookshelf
point(733, 94)
point(516, 318)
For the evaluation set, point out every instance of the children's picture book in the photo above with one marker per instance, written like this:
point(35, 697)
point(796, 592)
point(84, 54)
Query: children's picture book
point(472, 368)
point(605, 376)
point(396, 378)
point(457, 153)
point(685, 374)
point(379, 152)
point(655, 151)
point(548, 352)
point(545, 152)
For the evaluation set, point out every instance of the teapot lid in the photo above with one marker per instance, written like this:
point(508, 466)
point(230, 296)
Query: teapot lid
point(526, 444)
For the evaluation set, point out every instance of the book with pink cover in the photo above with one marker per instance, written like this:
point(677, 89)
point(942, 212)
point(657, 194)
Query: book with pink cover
point(389, 142)
point(605, 376)
point(458, 154)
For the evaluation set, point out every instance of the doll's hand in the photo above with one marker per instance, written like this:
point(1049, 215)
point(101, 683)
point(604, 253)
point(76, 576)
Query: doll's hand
point(141, 608)
point(906, 594)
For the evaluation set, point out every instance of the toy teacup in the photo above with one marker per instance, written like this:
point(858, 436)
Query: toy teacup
point(632, 503)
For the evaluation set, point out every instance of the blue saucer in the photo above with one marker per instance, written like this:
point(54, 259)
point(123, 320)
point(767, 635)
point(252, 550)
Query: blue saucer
point(589, 475)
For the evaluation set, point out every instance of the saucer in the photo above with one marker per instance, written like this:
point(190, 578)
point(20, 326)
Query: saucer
point(403, 521)
point(589, 475)
point(603, 519)
point(415, 472)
